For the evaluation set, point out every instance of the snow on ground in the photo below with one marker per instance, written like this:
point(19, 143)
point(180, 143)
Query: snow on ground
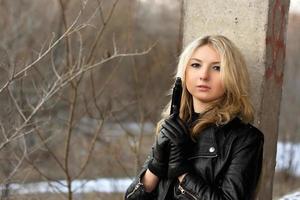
point(288, 157)
point(105, 185)
point(293, 196)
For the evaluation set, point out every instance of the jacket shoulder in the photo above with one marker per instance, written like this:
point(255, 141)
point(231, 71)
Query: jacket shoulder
point(244, 131)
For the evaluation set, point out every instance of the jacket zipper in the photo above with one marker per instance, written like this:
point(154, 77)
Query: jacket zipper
point(138, 185)
point(183, 191)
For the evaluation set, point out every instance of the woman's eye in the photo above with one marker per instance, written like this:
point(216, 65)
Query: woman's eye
point(216, 67)
point(196, 65)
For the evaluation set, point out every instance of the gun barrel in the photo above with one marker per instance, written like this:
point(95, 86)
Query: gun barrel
point(176, 96)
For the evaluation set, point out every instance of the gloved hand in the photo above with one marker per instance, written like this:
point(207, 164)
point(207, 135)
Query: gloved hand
point(160, 150)
point(176, 130)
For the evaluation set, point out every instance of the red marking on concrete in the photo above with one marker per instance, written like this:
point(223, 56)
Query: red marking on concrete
point(275, 42)
point(269, 72)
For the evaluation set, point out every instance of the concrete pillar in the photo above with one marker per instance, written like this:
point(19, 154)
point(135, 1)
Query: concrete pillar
point(258, 28)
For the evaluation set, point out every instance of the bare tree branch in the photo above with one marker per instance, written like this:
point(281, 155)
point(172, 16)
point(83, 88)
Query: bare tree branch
point(100, 33)
point(16, 104)
point(91, 148)
point(42, 55)
point(17, 166)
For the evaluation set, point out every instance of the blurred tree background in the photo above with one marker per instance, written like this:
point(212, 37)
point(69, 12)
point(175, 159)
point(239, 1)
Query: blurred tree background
point(82, 87)
point(83, 83)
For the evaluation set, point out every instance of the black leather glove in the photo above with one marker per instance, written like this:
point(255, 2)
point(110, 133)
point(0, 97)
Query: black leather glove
point(176, 130)
point(160, 150)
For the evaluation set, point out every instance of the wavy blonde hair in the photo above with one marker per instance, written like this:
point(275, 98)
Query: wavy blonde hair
point(234, 103)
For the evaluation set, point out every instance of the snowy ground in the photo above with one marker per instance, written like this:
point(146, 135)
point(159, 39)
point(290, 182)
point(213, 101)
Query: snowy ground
point(293, 196)
point(105, 185)
point(288, 156)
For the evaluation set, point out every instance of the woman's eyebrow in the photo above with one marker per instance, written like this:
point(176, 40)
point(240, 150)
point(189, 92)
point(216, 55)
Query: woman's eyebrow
point(198, 60)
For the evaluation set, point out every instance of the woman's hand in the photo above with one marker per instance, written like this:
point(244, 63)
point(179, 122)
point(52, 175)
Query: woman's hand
point(160, 150)
point(177, 132)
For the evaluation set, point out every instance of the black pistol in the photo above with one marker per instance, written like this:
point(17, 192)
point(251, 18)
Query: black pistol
point(176, 97)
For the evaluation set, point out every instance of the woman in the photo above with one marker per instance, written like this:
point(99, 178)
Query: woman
point(210, 151)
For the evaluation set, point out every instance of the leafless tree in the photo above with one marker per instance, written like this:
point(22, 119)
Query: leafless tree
point(65, 82)
point(68, 73)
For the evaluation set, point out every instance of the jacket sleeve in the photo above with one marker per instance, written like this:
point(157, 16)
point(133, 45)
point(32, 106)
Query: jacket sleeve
point(239, 180)
point(136, 190)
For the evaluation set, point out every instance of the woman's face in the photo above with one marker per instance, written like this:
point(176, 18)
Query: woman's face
point(203, 77)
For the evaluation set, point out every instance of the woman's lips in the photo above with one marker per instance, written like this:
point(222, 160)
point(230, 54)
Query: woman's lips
point(203, 88)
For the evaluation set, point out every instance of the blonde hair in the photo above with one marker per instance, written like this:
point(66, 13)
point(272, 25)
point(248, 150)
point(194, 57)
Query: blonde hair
point(234, 103)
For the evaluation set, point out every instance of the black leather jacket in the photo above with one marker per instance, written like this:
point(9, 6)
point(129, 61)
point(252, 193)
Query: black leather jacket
point(225, 162)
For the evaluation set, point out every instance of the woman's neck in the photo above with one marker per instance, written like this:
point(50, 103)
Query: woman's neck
point(198, 106)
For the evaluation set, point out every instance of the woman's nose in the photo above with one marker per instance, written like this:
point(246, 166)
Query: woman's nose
point(204, 73)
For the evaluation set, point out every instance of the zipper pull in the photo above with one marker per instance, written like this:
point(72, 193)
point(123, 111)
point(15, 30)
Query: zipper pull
point(137, 186)
point(186, 192)
point(181, 189)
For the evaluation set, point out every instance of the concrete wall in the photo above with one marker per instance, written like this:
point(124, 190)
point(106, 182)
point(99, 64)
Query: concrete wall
point(258, 28)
